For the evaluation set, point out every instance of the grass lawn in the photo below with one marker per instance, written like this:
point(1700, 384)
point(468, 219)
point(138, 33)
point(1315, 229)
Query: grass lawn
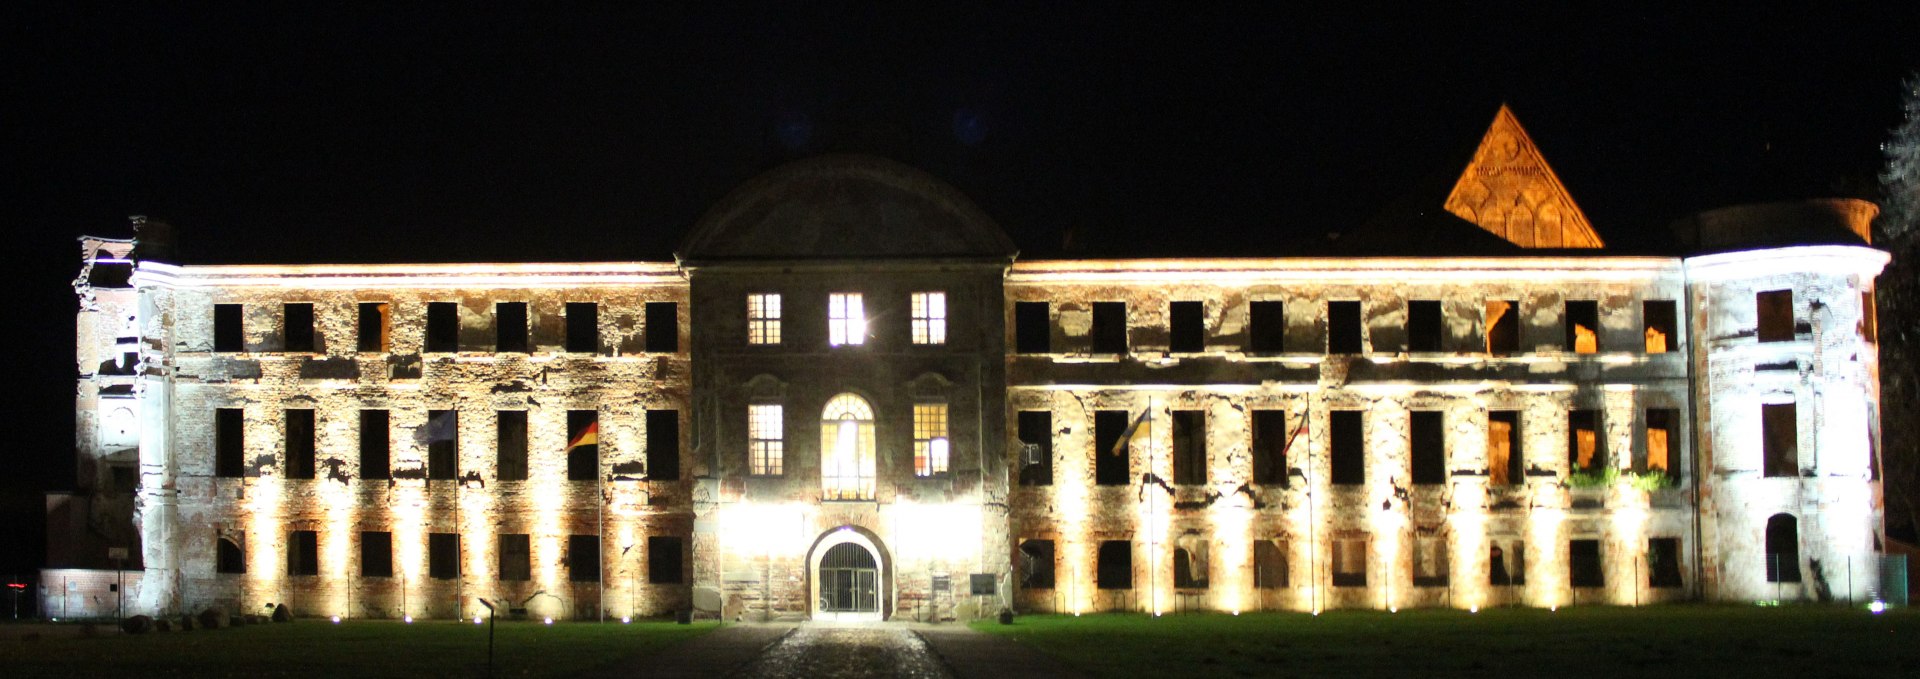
point(353, 649)
point(1677, 641)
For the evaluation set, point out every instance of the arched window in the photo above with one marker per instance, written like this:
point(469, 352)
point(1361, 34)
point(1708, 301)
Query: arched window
point(846, 448)
point(1783, 548)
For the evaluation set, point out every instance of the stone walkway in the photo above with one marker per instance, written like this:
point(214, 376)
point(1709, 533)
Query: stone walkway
point(846, 651)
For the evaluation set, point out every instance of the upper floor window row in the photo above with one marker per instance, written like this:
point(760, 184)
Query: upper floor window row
point(1269, 331)
point(444, 332)
point(847, 323)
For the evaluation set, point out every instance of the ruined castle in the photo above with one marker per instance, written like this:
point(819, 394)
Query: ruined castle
point(849, 398)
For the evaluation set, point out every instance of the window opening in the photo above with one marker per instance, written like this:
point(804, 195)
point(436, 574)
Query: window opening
point(375, 326)
point(443, 445)
point(583, 558)
point(662, 333)
point(1583, 564)
point(847, 449)
point(443, 327)
point(1187, 332)
point(929, 318)
point(1036, 564)
point(663, 445)
point(443, 556)
point(1506, 463)
point(1267, 326)
point(1503, 327)
point(1349, 464)
point(297, 331)
point(1036, 448)
point(229, 443)
point(583, 327)
point(1584, 449)
point(300, 444)
point(1344, 328)
point(510, 449)
point(930, 448)
point(1662, 325)
point(1780, 439)
point(767, 440)
point(1271, 439)
point(376, 450)
point(1429, 447)
point(1112, 460)
point(1425, 325)
point(1775, 311)
point(1583, 326)
point(665, 560)
point(376, 554)
point(510, 327)
point(763, 318)
point(1032, 328)
point(1109, 327)
point(303, 553)
point(516, 557)
point(228, 335)
point(583, 445)
point(846, 319)
point(1350, 562)
point(1114, 568)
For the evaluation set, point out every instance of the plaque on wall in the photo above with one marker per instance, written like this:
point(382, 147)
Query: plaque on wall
point(983, 585)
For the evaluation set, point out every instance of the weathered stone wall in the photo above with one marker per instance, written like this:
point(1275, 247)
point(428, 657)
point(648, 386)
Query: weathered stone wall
point(1228, 512)
point(258, 509)
point(1829, 371)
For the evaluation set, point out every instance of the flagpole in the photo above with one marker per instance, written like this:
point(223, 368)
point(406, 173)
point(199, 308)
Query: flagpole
point(1153, 522)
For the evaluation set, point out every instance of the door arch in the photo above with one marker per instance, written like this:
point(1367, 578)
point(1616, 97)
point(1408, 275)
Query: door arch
point(850, 577)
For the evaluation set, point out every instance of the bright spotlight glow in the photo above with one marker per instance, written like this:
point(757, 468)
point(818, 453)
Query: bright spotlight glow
point(549, 619)
point(1475, 609)
point(1394, 609)
point(1877, 607)
point(336, 620)
point(409, 619)
point(625, 619)
point(476, 620)
point(1553, 609)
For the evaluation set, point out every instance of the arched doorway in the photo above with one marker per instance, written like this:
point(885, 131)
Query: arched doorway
point(849, 580)
point(851, 576)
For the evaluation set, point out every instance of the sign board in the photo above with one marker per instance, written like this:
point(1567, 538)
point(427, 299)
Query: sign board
point(943, 583)
point(983, 585)
point(117, 553)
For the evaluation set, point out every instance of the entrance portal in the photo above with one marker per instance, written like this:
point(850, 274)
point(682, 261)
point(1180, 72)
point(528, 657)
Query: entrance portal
point(849, 580)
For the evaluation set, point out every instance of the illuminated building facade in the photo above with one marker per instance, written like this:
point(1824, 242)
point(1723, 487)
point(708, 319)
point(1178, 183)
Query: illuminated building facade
point(849, 399)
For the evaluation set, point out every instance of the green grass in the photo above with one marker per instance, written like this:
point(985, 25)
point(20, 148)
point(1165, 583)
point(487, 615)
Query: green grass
point(355, 649)
point(1676, 641)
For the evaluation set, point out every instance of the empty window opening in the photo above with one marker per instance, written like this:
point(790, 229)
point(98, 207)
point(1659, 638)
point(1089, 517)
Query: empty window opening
point(930, 450)
point(1430, 560)
point(663, 445)
point(847, 452)
point(376, 554)
point(1425, 325)
point(1036, 564)
point(1507, 565)
point(1266, 326)
point(1343, 328)
point(1775, 311)
point(1270, 564)
point(510, 327)
point(510, 445)
point(1783, 548)
point(443, 327)
point(846, 319)
point(1503, 327)
point(763, 318)
point(1187, 332)
point(443, 556)
point(1109, 327)
point(1270, 441)
point(375, 327)
point(1036, 448)
point(297, 326)
point(666, 560)
point(303, 553)
point(766, 440)
point(1663, 563)
point(1584, 449)
point(1583, 564)
point(228, 335)
point(662, 327)
point(1349, 465)
point(443, 445)
point(1429, 439)
point(583, 327)
point(1506, 463)
point(300, 444)
point(1662, 429)
point(228, 556)
point(1349, 562)
point(1189, 447)
point(1583, 327)
point(1190, 566)
point(583, 558)
point(516, 557)
point(929, 317)
point(376, 451)
point(1780, 439)
point(1662, 322)
point(1032, 328)
point(1869, 319)
point(1114, 568)
point(1112, 464)
point(229, 443)
point(583, 445)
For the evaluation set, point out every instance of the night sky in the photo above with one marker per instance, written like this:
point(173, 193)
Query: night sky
point(424, 134)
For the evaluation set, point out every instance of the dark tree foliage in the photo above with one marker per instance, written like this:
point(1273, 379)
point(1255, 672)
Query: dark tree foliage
point(1897, 295)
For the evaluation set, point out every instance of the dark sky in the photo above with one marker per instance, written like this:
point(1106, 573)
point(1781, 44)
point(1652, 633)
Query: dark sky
point(427, 134)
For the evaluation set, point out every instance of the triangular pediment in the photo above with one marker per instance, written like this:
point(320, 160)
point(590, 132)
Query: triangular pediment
point(1510, 191)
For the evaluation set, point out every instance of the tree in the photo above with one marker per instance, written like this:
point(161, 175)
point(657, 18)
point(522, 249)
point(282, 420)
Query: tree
point(1897, 295)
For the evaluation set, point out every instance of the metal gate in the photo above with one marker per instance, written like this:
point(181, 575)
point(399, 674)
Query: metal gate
point(849, 580)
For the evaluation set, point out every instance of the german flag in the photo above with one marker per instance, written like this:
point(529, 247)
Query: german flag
point(587, 437)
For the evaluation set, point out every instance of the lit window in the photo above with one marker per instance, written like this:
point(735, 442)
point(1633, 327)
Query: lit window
point(846, 449)
point(929, 318)
point(763, 319)
point(929, 439)
point(768, 447)
point(846, 319)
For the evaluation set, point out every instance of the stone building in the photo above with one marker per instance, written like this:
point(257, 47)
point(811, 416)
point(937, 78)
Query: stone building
point(848, 398)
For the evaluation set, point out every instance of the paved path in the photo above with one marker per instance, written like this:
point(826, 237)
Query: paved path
point(846, 651)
